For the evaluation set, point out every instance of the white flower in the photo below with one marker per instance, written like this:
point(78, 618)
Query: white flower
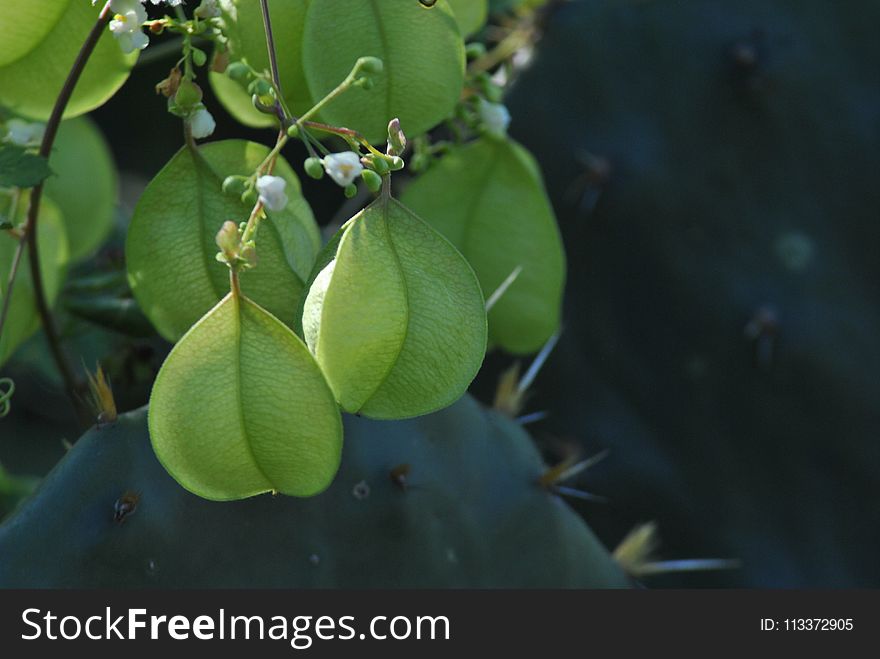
point(495, 117)
point(208, 9)
point(271, 189)
point(126, 24)
point(343, 167)
point(202, 123)
point(23, 133)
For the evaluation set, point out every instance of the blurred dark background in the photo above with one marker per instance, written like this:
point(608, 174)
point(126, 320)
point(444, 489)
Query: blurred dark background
point(713, 167)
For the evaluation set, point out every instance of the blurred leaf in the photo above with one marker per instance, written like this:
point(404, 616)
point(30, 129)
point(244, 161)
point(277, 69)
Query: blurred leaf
point(20, 168)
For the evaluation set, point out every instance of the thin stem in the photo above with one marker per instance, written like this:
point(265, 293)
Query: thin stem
point(30, 233)
point(345, 133)
point(13, 273)
point(281, 104)
point(340, 89)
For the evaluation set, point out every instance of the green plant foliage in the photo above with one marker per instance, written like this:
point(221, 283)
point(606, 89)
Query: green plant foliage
point(23, 320)
point(423, 55)
point(20, 168)
point(84, 186)
point(30, 83)
point(170, 248)
point(247, 40)
point(25, 24)
point(397, 320)
point(471, 516)
point(240, 408)
point(470, 15)
point(488, 199)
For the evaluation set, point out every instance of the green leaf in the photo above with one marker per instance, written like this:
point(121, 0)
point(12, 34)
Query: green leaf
point(170, 249)
point(85, 185)
point(247, 40)
point(30, 84)
point(21, 169)
point(470, 14)
point(240, 408)
point(489, 200)
point(397, 320)
point(423, 55)
point(23, 319)
point(24, 24)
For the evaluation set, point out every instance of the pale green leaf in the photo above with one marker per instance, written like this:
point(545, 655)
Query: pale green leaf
point(30, 84)
point(84, 185)
point(247, 40)
point(470, 15)
point(23, 24)
point(488, 199)
point(23, 320)
point(423, 55)
point(170, 248)
point(240, 408)
point(398, 325)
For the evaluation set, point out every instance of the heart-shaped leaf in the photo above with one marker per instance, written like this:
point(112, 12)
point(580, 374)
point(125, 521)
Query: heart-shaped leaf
point(33, 68)
point(422, 51)
point(170, 249)
point(489, 200)
point(247, 40)
point(240, 408)
point(397, 320)
point(22, 319)
point(470, 15)
point(84, 185)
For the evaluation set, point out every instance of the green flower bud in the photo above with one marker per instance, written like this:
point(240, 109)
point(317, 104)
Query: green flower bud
point(235, 185)
point(239, 71)
point(350, 190)
point(199, 56)
point(369, 65)
point(364, 83)
point(474, 50)
point(293, 132)
point(380, 165)
point(493, 93)
point(314, 167)
point(396, 163)
point(188, 95)
point(260, 87)
point(249, 197)
point(372, 179)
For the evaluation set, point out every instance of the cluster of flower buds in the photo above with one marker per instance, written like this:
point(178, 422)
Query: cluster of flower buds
point(233, 252)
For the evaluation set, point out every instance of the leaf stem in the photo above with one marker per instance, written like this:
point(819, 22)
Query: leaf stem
point(30, 230)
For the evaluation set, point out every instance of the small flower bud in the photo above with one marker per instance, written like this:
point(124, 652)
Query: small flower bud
point(372, 65)
point(228, 240)
point(314, 168)
point(372, 179)
point(263, 104)
point(249, 197)
point(234, 185)
point(293, 132)
point(199, 56)
point(239, 71)
point(474, 50)
point(396, 163)
point(188, 94)
point(350, 190)
point(364, 83)
point(396, 138)
point(380, 165)
point(260, 87)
